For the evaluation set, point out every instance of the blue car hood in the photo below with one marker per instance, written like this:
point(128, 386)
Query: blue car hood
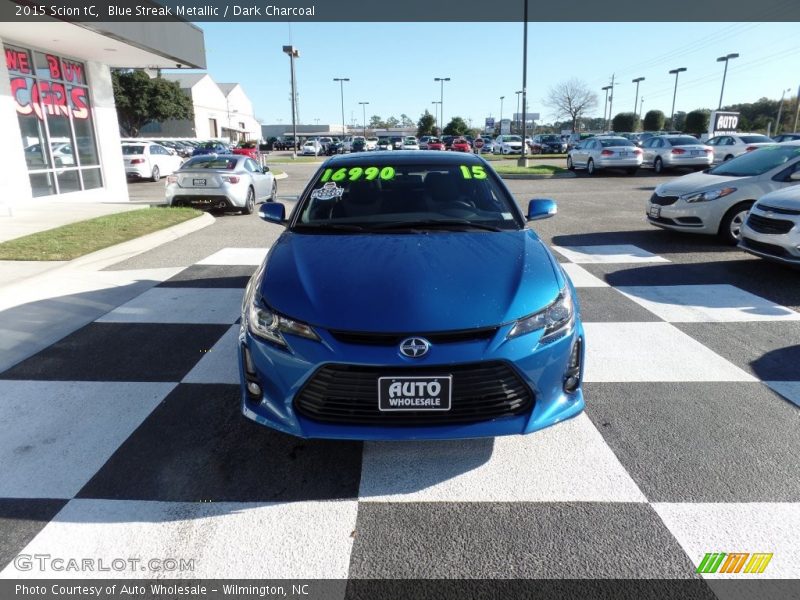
point(409, 282)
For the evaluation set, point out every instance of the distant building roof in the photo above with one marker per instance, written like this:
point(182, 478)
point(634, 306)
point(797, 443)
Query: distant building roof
point(227, 88)
point(185, 80)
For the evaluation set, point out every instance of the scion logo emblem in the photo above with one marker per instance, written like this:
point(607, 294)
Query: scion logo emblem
point(414, 347)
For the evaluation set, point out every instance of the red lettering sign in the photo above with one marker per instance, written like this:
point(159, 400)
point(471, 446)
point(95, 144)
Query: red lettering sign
point(54, 65)
point(73, 72)
point(17, 60)
point(50, 97)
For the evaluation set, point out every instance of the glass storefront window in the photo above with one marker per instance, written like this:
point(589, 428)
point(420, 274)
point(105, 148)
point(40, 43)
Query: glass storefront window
point(55, 120)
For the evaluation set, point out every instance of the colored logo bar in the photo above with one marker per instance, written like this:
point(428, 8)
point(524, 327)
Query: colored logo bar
point(734, 562)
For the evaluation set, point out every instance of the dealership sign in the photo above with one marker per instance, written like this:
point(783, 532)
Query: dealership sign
point(51, 91)
point(723, 121)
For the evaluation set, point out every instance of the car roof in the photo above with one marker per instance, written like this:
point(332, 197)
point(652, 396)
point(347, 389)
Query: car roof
point(400, 157)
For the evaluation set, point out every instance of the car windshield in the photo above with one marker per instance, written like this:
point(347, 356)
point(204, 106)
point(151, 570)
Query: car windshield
point(369, 197)
point(757, 162)
point(614, 142)
point(512, 138)
point(208, 145)
point(551, 138)
point(128, 149)
point(683, 141)
point(756, 139)
point(434, 141)
point(204, 162)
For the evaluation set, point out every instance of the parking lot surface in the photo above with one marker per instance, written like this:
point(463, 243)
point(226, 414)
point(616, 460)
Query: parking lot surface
point(125, 438)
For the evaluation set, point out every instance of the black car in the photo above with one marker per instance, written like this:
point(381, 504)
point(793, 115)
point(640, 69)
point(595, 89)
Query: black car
point(448, 141)
point(358, 145)
point(334, 147)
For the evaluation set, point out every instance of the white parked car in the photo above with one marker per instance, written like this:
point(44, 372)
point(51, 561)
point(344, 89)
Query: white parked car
point(312, 148)
point(716, 201)
point(605, 152)
point(676, 151)
point(145, 160)
point(372, 143)
point(772, 228)
point(730, 146)
point(410, 143)
point(507, 144)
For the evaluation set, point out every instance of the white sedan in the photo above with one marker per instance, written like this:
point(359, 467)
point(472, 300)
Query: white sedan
point(410, 143)
point(731, 145)
point(605, 153)
point(145, 160)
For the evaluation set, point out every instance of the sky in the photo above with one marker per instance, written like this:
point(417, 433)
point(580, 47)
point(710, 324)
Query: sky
point(393, 65)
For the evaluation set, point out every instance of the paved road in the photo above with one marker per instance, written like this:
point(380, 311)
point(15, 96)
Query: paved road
point(688, 445)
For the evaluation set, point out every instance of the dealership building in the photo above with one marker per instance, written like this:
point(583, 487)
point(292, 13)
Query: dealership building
point(60, 131)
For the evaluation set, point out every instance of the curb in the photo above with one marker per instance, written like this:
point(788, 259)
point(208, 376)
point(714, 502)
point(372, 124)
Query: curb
point(106, 257)
point(523, 176)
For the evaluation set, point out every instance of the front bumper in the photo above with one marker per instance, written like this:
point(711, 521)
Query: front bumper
point(779, 247)
point(282, 374)
point(696, 217)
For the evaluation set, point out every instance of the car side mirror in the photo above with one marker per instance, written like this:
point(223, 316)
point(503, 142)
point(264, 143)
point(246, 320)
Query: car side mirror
point(541, 208)
point(273, 212)
point(265, 169)
point(795, 176)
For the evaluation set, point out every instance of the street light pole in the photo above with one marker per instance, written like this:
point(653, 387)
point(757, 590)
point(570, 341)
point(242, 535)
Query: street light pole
point(341, 81)
point(675, 72)
point(441, 97)
point(797, 109)
point(605, 106)
point(523, 161)
point(501, 110)
point(364, 121)
point(724, 59)
point(293, 53)
point(436, 114)
point(780, 110)
point(516, 114)
point(611, 102)
point(635, 102)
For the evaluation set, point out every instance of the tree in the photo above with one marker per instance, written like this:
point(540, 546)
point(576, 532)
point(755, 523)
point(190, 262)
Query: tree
point(456, 126)
point(697, 121)
point(392, 122)
point(406, 121)
point(654, 120)
point(625, 121)
point(141, 99)
point(425, 125)
point(375, 122)
point(571, 99)
point(679, 122)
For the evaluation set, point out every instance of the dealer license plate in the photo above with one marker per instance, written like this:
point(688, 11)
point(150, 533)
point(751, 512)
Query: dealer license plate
point(655, 211)
point(198, 181)
point(415, 393)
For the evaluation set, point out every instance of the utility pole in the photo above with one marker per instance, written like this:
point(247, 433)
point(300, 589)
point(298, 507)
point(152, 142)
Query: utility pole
point(341, 81)
point(605, 106)
point(364, 109)
point(780, 110)
point(441, 96)
point(293, 53)
point(635, 102)
point(611, 102)
point(796, 110)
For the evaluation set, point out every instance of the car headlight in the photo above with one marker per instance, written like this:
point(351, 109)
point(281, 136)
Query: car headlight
point(706, 196)
point(556, 319)
point(271, 326)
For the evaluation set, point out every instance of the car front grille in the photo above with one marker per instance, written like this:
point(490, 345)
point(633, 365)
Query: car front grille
point(348, 394)
point(767, 225)
point(663, 200)
point(393, 339)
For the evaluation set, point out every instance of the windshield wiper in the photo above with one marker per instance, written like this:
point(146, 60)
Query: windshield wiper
point(331, 227)
point(434, 223)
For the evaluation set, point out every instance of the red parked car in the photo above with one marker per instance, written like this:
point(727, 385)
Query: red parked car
point(435, 144)
point(248, 149)
point(460, 145)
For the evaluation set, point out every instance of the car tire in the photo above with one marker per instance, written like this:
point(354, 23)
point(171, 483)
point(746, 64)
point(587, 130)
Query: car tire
point(727, 158)
point(250, 202)
point(570, 165)
point(274, 193)
point(730, 228)
point(658, 165)
point(590, 168)
point(155, 175)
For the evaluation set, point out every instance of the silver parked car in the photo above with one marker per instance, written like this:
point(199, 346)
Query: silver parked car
point(730, 146)
point(676, 151)
point(605, 152)
point(224, 182)
point(772, 228)
point(716, 201)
